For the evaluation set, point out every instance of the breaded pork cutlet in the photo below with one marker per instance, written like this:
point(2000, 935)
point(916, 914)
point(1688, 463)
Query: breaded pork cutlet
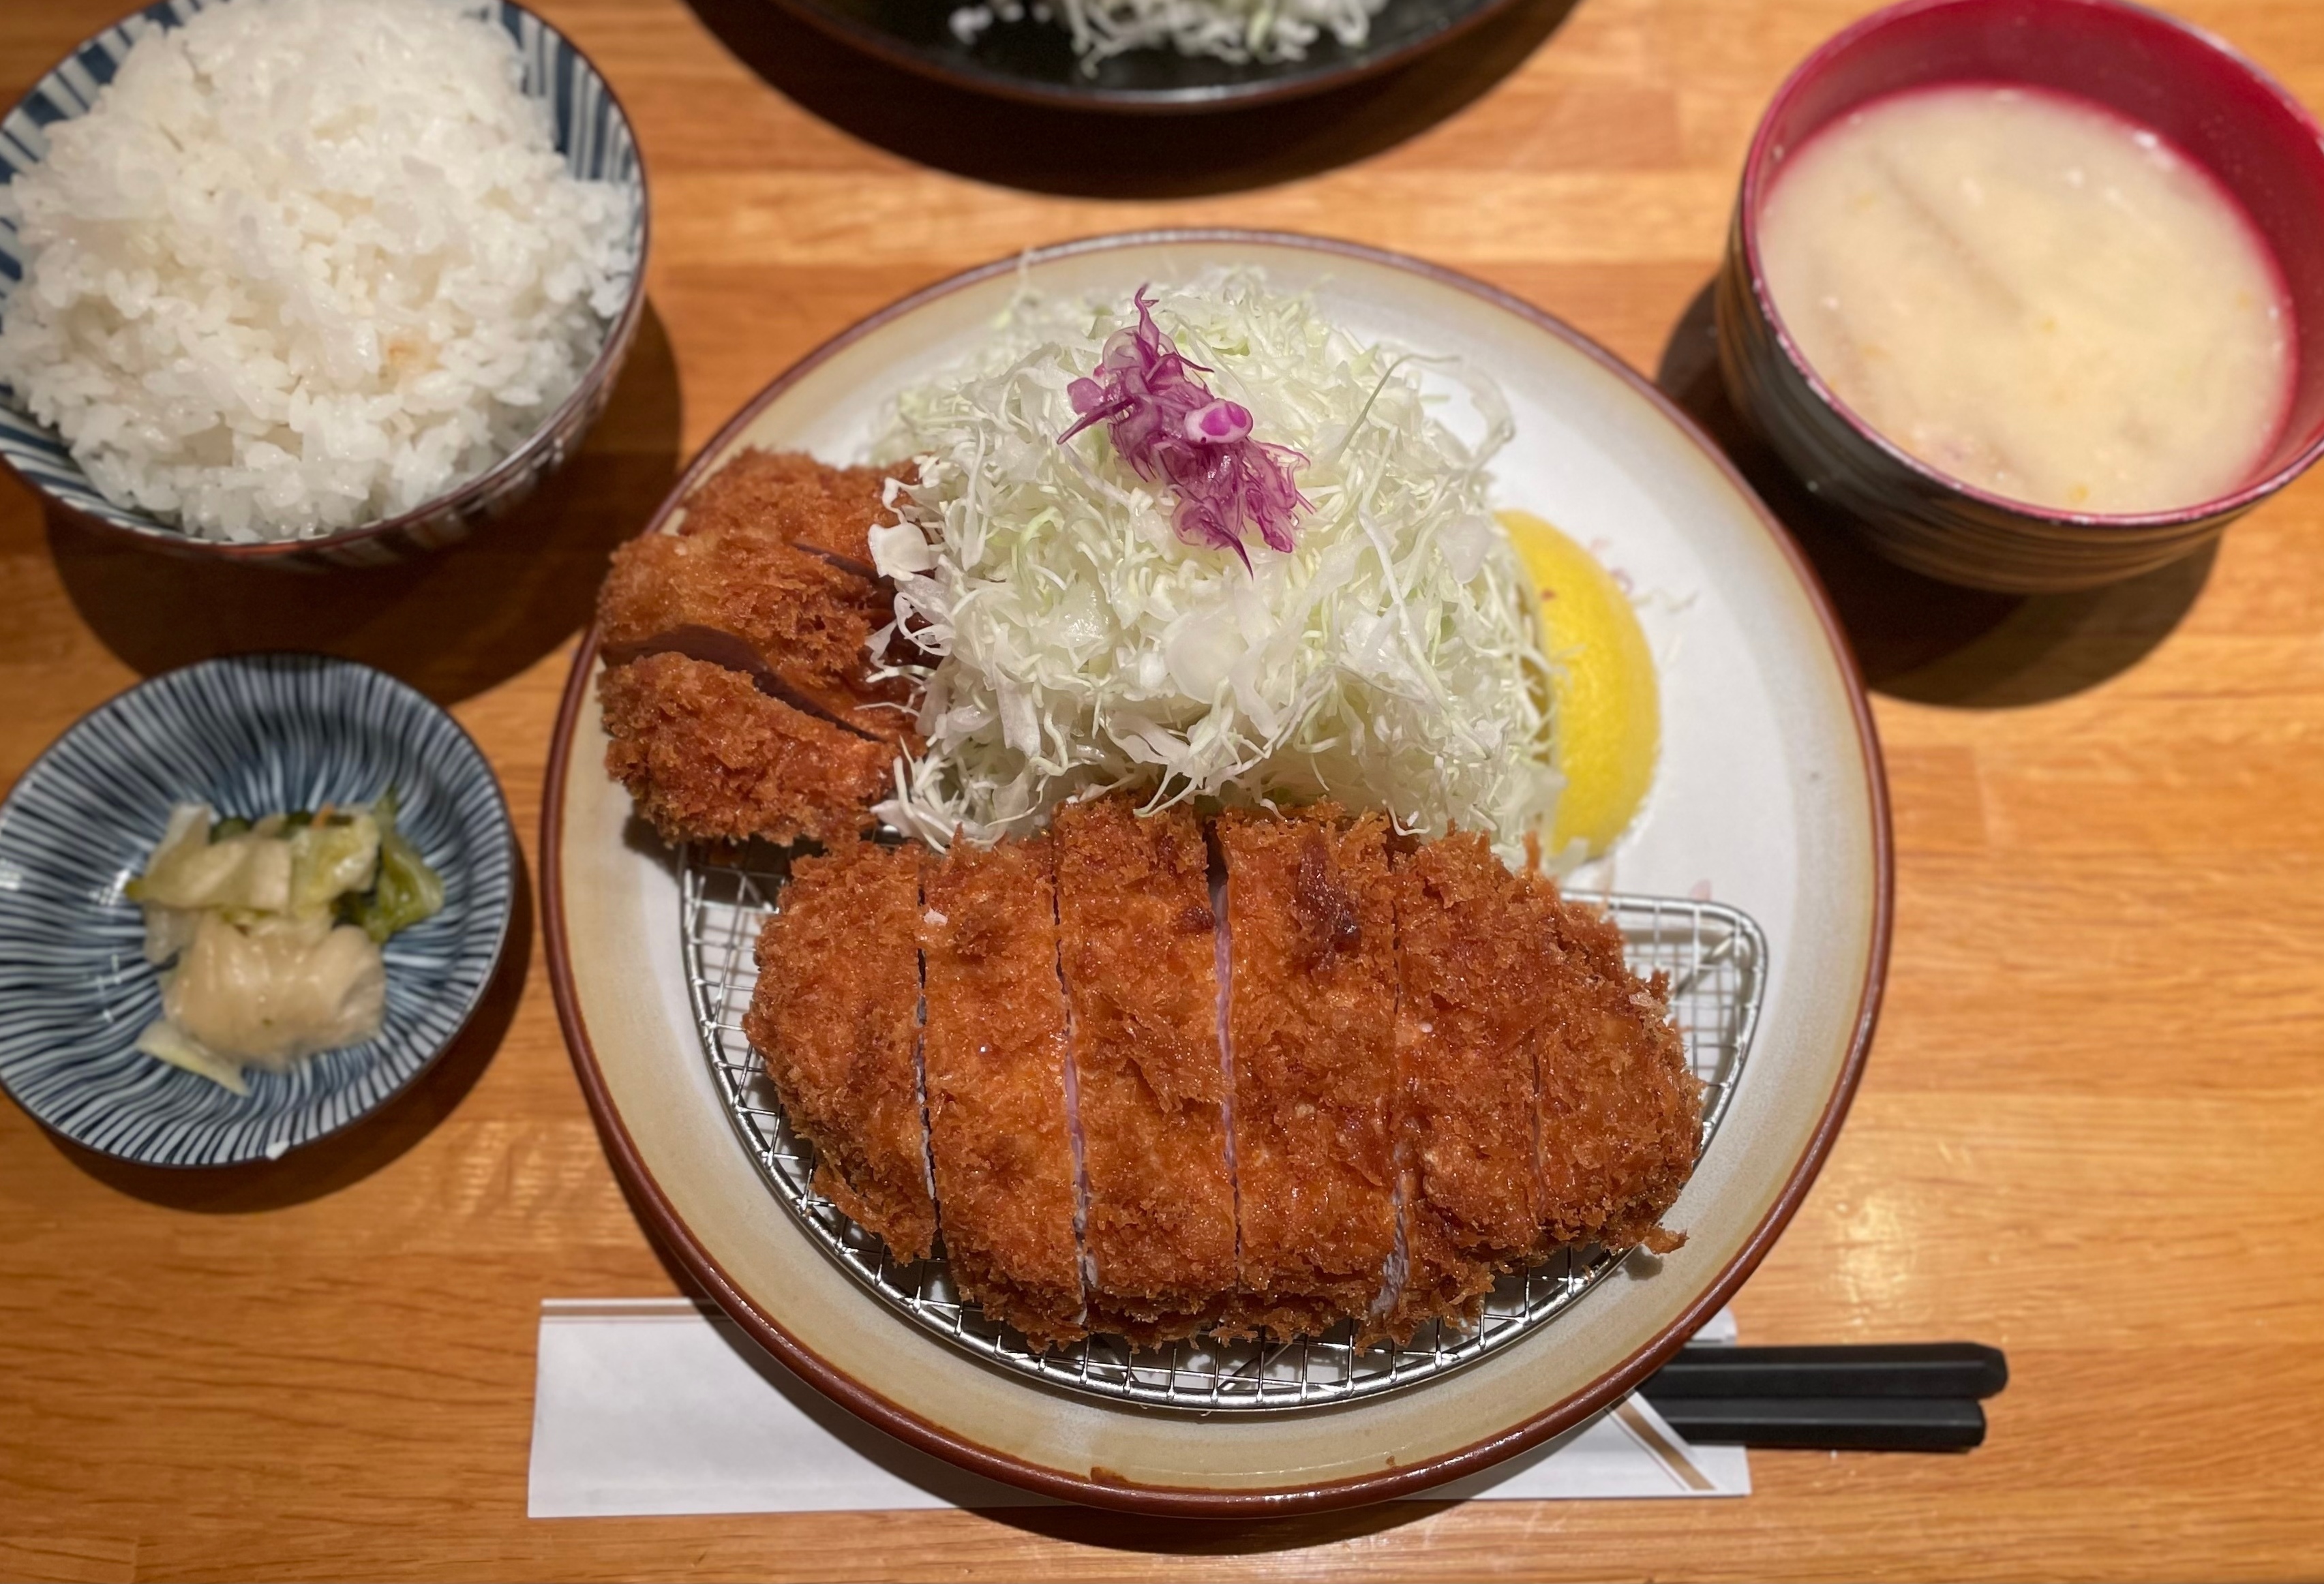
point(1311, 1018)
point(708, 757)
point(766, 587)
point(1435, 1070)
point(998, 1076)
point(1621, 1113)
point(798, 624)
point(836, 1018)
point(1477, 949)
point(1137, 949)
point(790, 496)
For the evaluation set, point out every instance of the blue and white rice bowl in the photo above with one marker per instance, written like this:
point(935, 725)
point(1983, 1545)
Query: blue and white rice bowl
point(593, 133)
point(250, 735)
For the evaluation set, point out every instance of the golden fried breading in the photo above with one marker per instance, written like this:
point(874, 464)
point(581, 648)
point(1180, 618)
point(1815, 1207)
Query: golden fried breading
point(994, 1051)
point(790, 496)
point(1621, 1112)
point(1311, 1016)
point(1137, 947)
point(836, 1018)
point(1477, 949)
point(797, 624)
point(708, 757)
point(1434, 1070)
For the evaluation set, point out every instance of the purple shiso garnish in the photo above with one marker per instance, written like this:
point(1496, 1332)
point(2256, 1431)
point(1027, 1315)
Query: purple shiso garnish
point(1172, 431)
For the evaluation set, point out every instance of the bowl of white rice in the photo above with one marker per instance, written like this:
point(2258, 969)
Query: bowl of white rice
point(312, 282)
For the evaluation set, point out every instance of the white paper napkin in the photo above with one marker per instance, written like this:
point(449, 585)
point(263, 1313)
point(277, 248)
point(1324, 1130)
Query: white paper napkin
point(655, 1406)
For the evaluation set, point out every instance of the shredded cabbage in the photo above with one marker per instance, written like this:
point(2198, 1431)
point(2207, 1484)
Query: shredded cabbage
point(1236, 30)
point(1390, 659)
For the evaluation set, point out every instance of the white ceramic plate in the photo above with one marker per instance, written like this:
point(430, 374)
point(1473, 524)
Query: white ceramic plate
point(1770, 792)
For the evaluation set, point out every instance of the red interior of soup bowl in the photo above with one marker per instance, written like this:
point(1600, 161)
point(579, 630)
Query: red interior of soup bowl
point(2183, 83)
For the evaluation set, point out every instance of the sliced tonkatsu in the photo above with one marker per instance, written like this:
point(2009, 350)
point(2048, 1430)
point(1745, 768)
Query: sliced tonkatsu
point(998, 1079)
point(1137, 949)
point(790, 496)
point(1477, 948)
point(1269, 1076)
point(837, 1020)
point(766, 588)
point(708, 757)
point(1621, 1112)
point(797, 626)
point(1310, 928)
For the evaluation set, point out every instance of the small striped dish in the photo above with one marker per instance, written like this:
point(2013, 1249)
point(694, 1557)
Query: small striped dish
point(251, 735)
point(594, 137)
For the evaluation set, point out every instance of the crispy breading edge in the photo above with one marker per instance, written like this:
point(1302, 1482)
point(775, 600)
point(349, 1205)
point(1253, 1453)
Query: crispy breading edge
point(708, 757)
point(1613, 1043)
point(1475, 953)
point(1000, 1135)
point(816, 506)
point(1295, 1280)
point(693, 777)
point(835, 1018)
point(1137, 949)
point(802, 626)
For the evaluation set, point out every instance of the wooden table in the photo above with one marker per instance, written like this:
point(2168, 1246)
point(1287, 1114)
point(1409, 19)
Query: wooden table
point(2089, 1133)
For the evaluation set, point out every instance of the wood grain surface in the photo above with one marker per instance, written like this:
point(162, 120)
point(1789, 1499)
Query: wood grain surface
point(2090, 1131)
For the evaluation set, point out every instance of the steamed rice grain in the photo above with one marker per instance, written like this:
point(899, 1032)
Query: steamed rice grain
point(307, 264)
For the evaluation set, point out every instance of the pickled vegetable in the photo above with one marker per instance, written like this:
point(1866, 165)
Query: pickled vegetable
point(268, 932)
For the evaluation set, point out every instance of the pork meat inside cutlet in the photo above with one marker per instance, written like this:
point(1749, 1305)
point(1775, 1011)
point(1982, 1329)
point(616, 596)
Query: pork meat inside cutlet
point(1311, 1018)
point(1137, 947)
point(1477, 952)
point(790, 496)
point(836, 1018)
point(1620, 1112)
point(797, 623)
point(708, 757)
point(995, 1051)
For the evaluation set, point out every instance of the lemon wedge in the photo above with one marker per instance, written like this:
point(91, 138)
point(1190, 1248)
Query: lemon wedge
point(1604, 701)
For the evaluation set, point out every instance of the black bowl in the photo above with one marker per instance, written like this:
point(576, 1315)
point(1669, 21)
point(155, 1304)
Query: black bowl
point(1032, 61)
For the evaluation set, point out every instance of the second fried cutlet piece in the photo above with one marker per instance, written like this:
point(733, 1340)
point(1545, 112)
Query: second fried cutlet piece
point(1311, 1016)
point(835, 1016)
point(995, 1055)
point(790, 496)
point(1477, 950)
point(797, 623)
point(1137, 948)
point(1621, 1113)
point(708, 757)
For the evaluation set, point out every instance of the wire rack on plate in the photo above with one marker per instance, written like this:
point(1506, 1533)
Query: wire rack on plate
point(1717, 960)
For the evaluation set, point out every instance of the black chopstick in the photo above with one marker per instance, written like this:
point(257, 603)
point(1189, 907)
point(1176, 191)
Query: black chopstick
point(1876, 1424)
point(1879, 1398)
point(1909, 1370)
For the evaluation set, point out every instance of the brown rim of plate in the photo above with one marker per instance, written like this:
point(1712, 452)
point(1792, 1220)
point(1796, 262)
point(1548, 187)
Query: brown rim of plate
point(612, 350)
point(1180, 1501)
point(890, 51)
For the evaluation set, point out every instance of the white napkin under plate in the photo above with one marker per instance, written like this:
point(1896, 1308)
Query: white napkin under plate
point(657, 1405)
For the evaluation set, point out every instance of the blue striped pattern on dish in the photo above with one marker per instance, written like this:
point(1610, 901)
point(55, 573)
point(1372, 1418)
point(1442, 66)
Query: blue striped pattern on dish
point(592, 133)
point(250, 735)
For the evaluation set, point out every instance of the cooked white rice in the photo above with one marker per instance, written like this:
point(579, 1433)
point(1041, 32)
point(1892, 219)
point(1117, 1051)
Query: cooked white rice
point(305, 264)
